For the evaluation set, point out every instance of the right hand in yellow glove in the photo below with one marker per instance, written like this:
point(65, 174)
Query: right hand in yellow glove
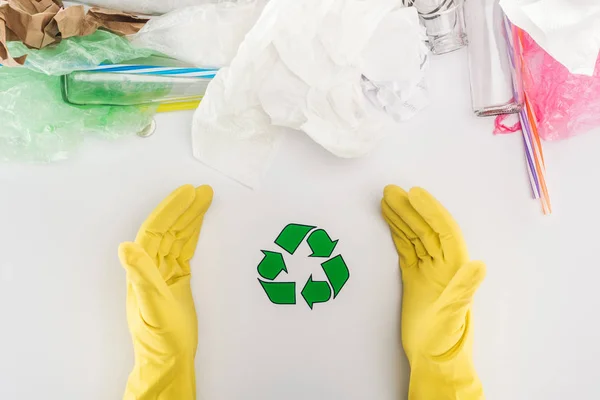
point(439, 282)
point(160, 308)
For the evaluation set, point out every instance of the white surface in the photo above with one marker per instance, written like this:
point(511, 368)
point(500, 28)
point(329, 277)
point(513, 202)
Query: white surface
point(63, 333)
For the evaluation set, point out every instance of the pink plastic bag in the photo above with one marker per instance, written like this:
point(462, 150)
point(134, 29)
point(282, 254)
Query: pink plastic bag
point(564, 104)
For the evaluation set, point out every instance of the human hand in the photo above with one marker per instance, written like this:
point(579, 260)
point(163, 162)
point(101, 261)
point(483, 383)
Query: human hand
point(439, 282)
point(160, 308)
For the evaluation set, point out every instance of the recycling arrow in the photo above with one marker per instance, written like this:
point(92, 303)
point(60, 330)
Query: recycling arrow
point(291, 237)
point(337, 273)
point(271, 265)
point(321, 244)
point(313, 291)
point(280, 292)
point(316, 292)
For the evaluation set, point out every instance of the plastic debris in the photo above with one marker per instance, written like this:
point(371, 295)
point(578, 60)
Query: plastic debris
point(55, 128)
point(79, 53)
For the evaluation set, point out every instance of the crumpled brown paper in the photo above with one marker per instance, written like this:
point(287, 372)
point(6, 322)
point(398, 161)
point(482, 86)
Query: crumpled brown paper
point(39, 23)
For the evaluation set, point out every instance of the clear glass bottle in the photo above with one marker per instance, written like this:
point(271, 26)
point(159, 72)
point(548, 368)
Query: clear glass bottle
point(444, 23)
point(141, 82)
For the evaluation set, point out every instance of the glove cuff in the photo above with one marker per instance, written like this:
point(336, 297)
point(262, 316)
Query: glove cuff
point(454, 379)
point(168, 381)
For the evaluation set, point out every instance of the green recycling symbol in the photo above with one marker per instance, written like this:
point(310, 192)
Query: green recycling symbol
point(314, 291)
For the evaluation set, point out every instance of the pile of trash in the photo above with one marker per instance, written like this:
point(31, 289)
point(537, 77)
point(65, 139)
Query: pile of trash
point(104, 69)
point(335, 70)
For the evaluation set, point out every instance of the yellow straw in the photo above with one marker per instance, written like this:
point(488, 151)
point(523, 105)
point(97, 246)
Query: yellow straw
point(184, 105)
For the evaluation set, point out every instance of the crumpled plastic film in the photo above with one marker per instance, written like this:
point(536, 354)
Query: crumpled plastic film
point(38, 126)
point(151, 7)
point(79, 53)
point(336, 70)
point(565, 104)
point(395, 82)
point(205, 35)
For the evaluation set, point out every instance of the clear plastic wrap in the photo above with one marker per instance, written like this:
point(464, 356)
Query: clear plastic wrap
point(152, 7)
point(205, 35)
point(54, 128)
point(564, 104)
point(78, 53)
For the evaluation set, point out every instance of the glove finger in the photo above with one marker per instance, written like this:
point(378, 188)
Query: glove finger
point(182, 252)
point(189, 247)
point(392, 214)
point(150, 289)
point(163, 217)
point(202, 201)
point(409, 256)
point(184, 246)
point(176, 264)
point(398, 200)
point(452, 309)
point(439, 219)
point(404, 247)
point(188, 224)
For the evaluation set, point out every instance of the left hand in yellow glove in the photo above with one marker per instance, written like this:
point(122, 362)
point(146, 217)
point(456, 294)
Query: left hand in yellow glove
point(439, 282)
point(160, 308)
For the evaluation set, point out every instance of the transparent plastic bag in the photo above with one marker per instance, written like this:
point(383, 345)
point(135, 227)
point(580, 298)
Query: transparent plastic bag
point(55, 128)
point(205, 36)
point(78, 53)
point(145, 6)
point(564, 104)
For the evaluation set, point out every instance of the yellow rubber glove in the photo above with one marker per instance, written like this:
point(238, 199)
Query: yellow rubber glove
point(160, 308)
point(439, 282)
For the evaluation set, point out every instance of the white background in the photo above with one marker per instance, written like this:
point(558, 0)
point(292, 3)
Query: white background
point(63, 331)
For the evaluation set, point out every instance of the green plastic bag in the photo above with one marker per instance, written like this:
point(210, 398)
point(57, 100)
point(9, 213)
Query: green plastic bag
point(36, 125)
point(78, 53)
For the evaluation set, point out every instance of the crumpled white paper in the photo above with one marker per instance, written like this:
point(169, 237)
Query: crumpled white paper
point(334, 69)
point(568, 30)
point(206, 35)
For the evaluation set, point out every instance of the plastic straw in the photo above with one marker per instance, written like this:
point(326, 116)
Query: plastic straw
point(180, 106)
point(140, 69)
point(536, 166)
